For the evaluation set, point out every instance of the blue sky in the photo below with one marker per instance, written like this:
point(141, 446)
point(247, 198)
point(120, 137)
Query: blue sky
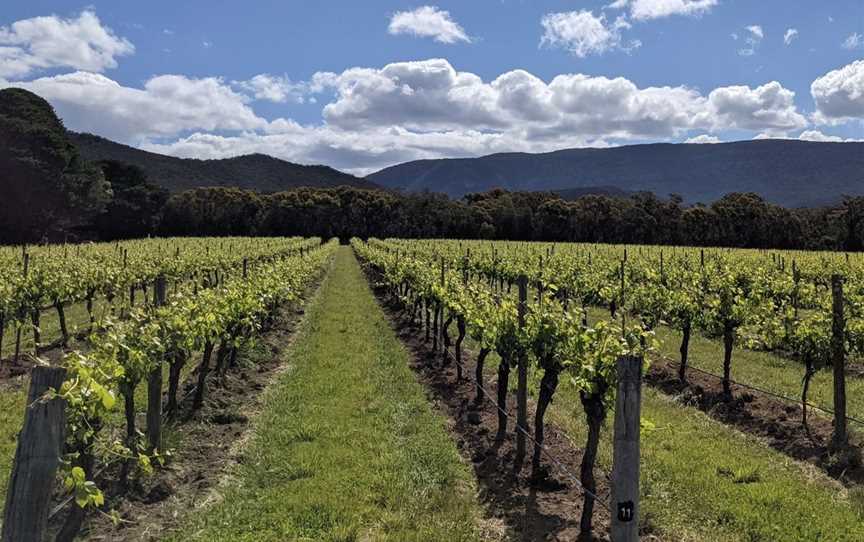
point(363, 85)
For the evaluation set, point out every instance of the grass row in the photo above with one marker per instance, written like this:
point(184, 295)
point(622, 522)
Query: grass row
point(704, 481)
point(347, 446)
point(756, 368)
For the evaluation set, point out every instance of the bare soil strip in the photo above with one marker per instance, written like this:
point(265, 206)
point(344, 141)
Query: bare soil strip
point(545, 510)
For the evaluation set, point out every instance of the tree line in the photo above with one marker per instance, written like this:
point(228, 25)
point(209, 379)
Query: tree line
point(50, 193)
point(736, 220)
point(134, 207)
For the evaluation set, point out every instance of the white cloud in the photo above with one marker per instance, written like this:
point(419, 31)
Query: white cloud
point(582, 33)
point(854, 41)
point(409, 110)
point(166, 106)
point(431, 95)
point(756, 31)
point(428, 22)
point(839, 94)
point(277, 89)
point(753, 39)
point(30, 45)
point(360, 152)
point(655, 9)
point(772, 135)
point(770, 107)
point(816, 135)
point(791, 34)
point(703, 139)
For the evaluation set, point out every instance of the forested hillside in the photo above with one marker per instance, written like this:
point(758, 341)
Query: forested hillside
point(785, 172)
point(253, 171)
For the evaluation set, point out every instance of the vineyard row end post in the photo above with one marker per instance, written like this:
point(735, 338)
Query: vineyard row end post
point(37, 456)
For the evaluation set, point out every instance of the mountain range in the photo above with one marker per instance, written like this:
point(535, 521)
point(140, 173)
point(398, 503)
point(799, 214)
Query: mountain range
point(791, 173)
point(252, 171)
point(787, 172)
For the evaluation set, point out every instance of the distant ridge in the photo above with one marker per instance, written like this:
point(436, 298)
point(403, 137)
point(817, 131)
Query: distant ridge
point(787, 172)
point(252, 171)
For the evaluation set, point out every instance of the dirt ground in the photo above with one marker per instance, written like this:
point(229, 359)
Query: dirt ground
point(548, 509)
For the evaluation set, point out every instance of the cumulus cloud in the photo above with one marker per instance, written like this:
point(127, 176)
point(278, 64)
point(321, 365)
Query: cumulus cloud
point(410, 110)
point(582, 33)
point(359, 152)
point(703, 139)
point(277, 89)
point(854, 41)
point(769, 107)
point(791, 34)
point(816, 135)
point(656, 9)
point(752, 40)
point(30, 45)
point(432, 96)
point(166, 106)
point(839, 94)
point(428, 22)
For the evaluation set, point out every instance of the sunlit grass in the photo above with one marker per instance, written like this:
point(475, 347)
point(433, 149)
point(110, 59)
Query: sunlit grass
point(347, 446)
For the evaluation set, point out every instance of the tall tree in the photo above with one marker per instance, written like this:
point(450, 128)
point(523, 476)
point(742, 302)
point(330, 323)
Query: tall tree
point(48, 190)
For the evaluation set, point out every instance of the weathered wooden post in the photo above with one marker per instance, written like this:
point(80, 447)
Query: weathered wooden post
point(154, 383)
point(245, 268)
point(840, 438)
point(522, 383)
point(625, 458)
point(623, 291)
point(37, 456)
point(26, 266)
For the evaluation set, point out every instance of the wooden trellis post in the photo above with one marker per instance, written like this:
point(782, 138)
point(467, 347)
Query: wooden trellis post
point(840, 438)
point(154, 382)
point(522, 383)
point(37, 457)
point(625, 458)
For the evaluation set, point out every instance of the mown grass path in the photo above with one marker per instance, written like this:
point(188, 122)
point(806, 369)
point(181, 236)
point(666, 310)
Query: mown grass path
point(346, 447)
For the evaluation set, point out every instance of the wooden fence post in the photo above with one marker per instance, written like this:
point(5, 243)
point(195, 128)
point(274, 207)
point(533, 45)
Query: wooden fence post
point(840, 437)
point(625, 458)
point(522, 384)
point(154, 383)
point(37, 456)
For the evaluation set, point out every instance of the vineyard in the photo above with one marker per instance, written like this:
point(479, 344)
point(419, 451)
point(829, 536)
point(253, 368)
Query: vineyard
point(585, 306)
point(537, 353)
point(199, 297)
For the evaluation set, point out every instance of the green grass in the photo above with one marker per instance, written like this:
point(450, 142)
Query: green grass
point(347, 446)
point(13, 399)
point(77, 320)
point(761, 369)
point(704, 481)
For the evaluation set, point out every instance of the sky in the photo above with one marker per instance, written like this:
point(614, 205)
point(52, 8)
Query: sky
point(362, 85)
